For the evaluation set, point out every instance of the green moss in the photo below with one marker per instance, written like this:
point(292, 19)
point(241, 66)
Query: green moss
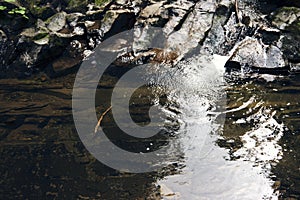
point(289, 9)
point(10, 1)
point(18, 10)
point(40, 36)
point(37, 10)
point(32, 5)
point(101, 2)
point(108, 15)
point(77, 5)
point(285, 12)
point(3, 8)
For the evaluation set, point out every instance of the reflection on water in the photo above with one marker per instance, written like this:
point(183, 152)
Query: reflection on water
point(269, 126)
point(210, 172)
point(253, 154)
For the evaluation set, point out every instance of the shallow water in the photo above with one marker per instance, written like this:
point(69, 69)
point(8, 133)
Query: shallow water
point(231, 160)
point(247, 150)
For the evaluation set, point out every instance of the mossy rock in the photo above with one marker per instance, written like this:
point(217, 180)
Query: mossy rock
point(39, 9)
point(285, 16)
point(101, 2)
point(42, 12)
point(77, 5)
point(81, 5)
point(295, 27)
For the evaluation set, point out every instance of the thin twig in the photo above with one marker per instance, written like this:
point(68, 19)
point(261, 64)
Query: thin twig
point(237, 11)
point(101, 118)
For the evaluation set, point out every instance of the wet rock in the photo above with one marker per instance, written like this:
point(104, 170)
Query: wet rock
point(288, 19)
point(178, 10)
point(158, 19)
point(295, 67)
point(252, 52)
point(57, 22)
point(108, 20)
point(167, 193)
point(42, 11)
point(122, 2)
point(64, 63)
point(225, 32)
point(291, 47)
point(190, 32)
point(73, 18)
point(89, 24)
point(77, 5)
point(23, 58)
point(40, 24)
point(269, 36)
point(152, 10)
point(44, 32)
point(79, 30)
point(29, 32)
point(188, 25)
point(94, 11)
point(284, 17)
point(40, 37)
point(115, 22)
point(3, 36)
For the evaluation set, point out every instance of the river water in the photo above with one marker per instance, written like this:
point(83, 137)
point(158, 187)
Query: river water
point(230, 136)
point(247, 157)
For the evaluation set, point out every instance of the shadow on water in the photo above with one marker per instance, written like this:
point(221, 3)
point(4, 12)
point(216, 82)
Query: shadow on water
point(41, 154)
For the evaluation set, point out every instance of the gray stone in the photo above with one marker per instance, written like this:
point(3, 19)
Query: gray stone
point(285, 16)
point(152, 10)
point(254, 53)
point(57, 22)
point(3, 36)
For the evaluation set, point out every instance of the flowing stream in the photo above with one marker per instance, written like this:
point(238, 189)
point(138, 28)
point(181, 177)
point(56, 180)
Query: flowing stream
point(246, 150)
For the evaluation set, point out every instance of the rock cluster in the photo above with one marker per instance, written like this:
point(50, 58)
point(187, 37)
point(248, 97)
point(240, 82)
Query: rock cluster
point(57, 35)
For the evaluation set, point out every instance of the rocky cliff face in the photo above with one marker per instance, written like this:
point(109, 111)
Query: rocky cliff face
point(55, 36)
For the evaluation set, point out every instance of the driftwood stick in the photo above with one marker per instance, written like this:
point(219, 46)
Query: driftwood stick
point(101, 118)
point(237, 11)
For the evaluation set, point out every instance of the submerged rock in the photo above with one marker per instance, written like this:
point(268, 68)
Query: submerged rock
point(65, 63)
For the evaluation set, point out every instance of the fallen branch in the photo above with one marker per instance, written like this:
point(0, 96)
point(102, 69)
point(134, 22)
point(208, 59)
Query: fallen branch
point(101, 118)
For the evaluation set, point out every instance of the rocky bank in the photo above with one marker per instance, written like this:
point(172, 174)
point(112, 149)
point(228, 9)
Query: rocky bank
point(52, 38)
